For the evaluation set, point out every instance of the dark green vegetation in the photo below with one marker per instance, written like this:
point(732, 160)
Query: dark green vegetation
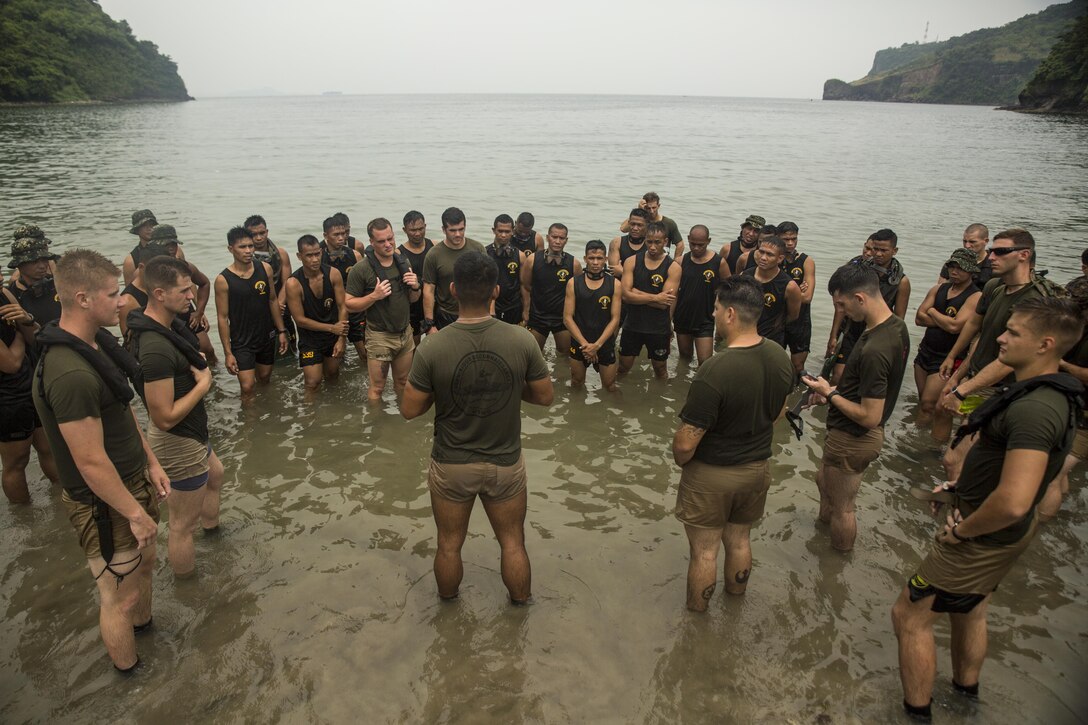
point(70, 50)
point(985, 67)
point(1061, 83)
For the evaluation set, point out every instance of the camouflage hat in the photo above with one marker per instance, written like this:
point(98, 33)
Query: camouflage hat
point(29, 249)
point(1078, 291)
point(139, 218)
point(30, 231)
point(165, 233)
point(965, 259)
point(754, 221)
point(155, 248)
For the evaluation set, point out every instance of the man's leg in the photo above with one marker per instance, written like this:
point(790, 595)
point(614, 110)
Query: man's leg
point(378, 370)
point(451, 519)
point(608, 377)
point(913, 624)
point(825, 502)
point(206, 347)
point(312, 375)
point(562, 341)
point(15, 455)
point(264, 374)
point(738, 557)
point(121, 602)
point(541, 338)
point(703, 545)
point(799, 359)
point(685, 344)
point(330, 367)
point(969, 642)
point(626, 363)
point(185, 507)
point(1052, 499)
point(360, 348)
point(704, 348)
point(925, 405)
point(247, 381)
point(661, 370)
point(209, 511)
point(507, 519)
point(578, 373)
point(841, 488)
point(45, 455)
point(401, 366)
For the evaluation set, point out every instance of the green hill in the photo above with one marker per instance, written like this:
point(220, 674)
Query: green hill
point(985, 67)
point(71, 50)
point(1061, 83)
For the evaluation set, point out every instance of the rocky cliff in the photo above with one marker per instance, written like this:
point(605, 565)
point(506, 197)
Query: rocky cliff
point(1061, 83)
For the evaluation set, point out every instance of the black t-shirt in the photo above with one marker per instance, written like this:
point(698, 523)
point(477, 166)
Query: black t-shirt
point(161, 360)
point(415, 260)
point(40, 300)
point(873, 370)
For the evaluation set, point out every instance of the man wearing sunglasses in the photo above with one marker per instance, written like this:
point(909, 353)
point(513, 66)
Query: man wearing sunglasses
point(1011, 255)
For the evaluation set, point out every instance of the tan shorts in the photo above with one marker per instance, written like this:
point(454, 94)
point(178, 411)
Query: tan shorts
point(184, 459)
point(388, 346)
point(970, 567)
point(462, 482)
point(712, 496)
point(82, 517)
point(851, 453)
point(1080, 444)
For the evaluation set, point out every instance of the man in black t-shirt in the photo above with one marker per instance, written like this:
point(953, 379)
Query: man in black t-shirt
point(415, 248)
point(724, 442)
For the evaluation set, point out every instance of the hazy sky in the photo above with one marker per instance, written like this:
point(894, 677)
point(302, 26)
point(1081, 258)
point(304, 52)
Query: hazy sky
point(773, 48)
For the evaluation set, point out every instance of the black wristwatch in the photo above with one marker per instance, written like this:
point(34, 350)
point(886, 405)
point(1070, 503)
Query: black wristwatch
point(426, 325)
point(958, 394)
point(955, 534)
point(831, 394)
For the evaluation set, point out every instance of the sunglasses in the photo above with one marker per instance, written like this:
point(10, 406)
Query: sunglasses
point(1002, 251)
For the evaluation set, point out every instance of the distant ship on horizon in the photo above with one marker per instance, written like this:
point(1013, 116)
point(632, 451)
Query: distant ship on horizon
point(332, 93)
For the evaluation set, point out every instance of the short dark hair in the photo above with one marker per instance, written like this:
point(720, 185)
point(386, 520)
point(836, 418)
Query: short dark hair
point(452, 216)
point(775, 242)
point(658, 228)
point(1020, 237)
point(376, 225)
point(1060, 317)
point(640, 213)
point(744, 294)
point(885, 235)
point(786, 227)
point(768, 230)
point(1084, 257)
point(851, 278)
point(526, 219)
point(414, 216)
point(557, 225)
point(474, 277)
point(503, 219)
point(651, 196)
point(331, 223)
point(254, 220)
point(164, 271)
point(342, 219)
point(977, 228)
point(307, 240)
point(594, 245)
point(237, 233)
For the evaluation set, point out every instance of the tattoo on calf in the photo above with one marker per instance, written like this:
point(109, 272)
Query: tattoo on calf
point(742, 576)
point(709, 592)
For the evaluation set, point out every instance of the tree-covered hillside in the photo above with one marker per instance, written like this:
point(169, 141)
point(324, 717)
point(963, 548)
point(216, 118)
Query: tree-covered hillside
point(71, 50)
point(1061, 83)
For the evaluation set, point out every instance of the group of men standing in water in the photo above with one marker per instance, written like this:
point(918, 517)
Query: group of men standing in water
point(1002, 346)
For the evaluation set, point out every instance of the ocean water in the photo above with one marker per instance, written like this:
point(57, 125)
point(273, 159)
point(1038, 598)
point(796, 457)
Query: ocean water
point(317, 602)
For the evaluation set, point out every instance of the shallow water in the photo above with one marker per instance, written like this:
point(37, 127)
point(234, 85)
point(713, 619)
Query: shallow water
point(316, 602)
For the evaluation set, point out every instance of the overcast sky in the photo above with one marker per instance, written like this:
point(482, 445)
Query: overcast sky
point(772, 48)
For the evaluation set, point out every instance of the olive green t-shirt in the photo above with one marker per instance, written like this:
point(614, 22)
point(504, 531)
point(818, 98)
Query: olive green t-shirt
point(736, 397)
point(1035, 422)
point(873, 370)
point(159, 360)
point(476, 373)
point(438, 270)
point(672, 231)
point(995, 307)
point(74, 391)
point(386, 315)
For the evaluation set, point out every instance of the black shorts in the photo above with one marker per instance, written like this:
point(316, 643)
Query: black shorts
point(443, 318)
point(415, 317)
point(512, 315)
point(18, 421)
point(311, 354)
point(942, 601)
point(546, 327)
point(929, 359)
point(605, 356)
point(799, 334)
point(254, 354)
point(658, 345)
point(845, 349)
point(356, 328)
point(702, 329)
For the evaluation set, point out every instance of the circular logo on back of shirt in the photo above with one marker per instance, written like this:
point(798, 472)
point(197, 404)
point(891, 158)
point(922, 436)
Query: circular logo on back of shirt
point(769, 299)
point(482, 384)
point(656, 280)
point(708, 275)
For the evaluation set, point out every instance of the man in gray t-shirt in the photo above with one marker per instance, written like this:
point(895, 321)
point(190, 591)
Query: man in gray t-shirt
point(476, 371)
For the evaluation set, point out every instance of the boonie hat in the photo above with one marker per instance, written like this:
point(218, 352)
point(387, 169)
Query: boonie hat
point(164, 233)
point(964, 259)
point(139, 218)
point(29, 249)
point(30, 231)
point(754, 221)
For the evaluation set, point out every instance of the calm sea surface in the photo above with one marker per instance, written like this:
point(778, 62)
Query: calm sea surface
point(317, 602)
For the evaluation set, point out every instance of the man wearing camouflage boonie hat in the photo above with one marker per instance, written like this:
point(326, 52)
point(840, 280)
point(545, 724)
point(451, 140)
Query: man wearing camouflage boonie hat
point(938, 313)
point(34, 288)
point(30, 231)
point(746, 241)
point(144, 223)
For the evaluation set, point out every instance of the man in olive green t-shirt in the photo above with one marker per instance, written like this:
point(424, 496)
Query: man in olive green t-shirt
point(476, 372)
point(439, 305)
point(864, 399)
point(384, 286)
point(724, 442)
point(112, 481)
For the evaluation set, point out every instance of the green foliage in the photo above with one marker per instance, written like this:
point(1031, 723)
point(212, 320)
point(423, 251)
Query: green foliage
point(986, 67)
point(70, 50)
point(1061, 83)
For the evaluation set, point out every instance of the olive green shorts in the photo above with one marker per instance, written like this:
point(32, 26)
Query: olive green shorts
point(712, 496)
point(82, 517)
point(851, 453)
point(462, 482)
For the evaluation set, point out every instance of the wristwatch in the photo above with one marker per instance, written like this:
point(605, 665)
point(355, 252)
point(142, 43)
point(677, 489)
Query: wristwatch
point(426, 325)
point(958, 394)
point(831, 395)
point(955, 534)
